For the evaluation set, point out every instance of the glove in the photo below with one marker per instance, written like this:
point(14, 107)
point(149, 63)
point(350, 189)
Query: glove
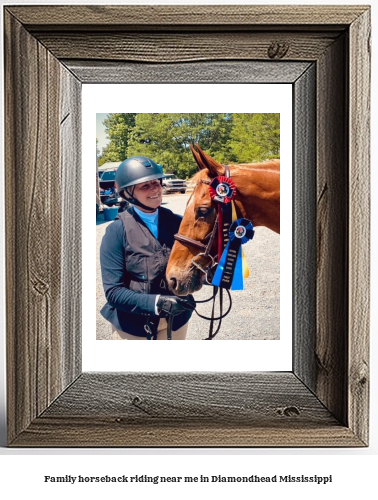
point(171, 305)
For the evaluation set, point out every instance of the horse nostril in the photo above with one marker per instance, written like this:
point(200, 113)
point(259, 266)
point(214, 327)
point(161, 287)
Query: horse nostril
point(173, 283)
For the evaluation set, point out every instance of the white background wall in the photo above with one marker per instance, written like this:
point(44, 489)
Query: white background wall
point(354, 470)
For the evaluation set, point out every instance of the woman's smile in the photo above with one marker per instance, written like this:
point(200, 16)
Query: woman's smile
point(149, 193)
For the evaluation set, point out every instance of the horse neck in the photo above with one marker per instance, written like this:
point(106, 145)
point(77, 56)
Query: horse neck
point(258, 195)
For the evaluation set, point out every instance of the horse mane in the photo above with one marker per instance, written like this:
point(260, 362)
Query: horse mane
point(267, 165)
point(212, 168)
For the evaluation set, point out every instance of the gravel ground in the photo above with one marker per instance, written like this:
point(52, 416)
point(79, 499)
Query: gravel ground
point(255, 313)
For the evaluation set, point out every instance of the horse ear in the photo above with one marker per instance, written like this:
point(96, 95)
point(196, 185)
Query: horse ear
point(203, 160)
point(197, 157)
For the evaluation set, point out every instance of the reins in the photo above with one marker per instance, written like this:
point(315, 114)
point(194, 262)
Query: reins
point(212, 318)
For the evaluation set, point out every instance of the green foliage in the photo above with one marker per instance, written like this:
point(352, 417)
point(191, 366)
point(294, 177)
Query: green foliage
point(118, 127)
point(165, 137)
point(101, 160)
point(255, 136)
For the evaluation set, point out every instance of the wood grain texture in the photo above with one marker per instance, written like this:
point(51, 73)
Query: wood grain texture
point(185, 16)
point(199, 72)
point(36, 354)
point(180, 47)
point(332, 230)
point(110, 432)
point(304, 230)
point(359, 226)
point(324, 402)
point(141, 397)
point(33, 305)
point(71, 193)
point(169, 410)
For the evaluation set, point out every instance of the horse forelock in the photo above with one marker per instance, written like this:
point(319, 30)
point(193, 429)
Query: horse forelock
point(201, 175)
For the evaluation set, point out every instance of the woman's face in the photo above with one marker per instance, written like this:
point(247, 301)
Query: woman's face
point(149, 193)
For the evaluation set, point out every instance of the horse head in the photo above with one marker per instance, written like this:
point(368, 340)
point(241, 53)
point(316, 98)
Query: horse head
point(182, 275)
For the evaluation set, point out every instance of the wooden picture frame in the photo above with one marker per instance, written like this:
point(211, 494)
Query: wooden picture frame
point(323, 51)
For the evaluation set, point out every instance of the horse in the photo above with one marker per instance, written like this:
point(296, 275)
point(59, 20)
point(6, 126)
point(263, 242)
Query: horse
point(257, 199)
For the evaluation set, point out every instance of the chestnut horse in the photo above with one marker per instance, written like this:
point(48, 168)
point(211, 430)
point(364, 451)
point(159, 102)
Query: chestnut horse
point(257, 199)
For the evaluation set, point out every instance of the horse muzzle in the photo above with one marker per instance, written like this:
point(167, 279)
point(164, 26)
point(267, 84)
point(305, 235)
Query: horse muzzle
point(183, 285)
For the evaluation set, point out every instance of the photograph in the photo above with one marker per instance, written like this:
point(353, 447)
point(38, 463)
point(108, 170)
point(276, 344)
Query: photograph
point(169, 187)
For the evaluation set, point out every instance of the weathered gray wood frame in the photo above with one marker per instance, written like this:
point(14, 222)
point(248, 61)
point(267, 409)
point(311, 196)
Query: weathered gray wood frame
point(49, 52)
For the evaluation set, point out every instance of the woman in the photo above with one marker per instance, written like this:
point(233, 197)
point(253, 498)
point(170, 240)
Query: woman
point(134, 254)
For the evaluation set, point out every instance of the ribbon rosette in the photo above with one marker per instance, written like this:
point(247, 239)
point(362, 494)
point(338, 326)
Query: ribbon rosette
point(229, 273)
point(242, 229)
point(222, 189)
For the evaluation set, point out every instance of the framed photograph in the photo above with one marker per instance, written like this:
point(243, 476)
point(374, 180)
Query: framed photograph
point(259, 312)
point(323, 52)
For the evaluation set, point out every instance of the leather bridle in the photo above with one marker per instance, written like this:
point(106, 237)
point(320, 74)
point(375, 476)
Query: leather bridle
point(205, 249)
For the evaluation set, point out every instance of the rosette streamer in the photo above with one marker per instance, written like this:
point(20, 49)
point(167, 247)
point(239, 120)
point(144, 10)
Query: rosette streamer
point(222, 190)
point(229, 272)
point(244, 260)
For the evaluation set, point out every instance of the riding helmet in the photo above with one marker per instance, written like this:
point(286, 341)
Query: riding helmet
point(137, 169)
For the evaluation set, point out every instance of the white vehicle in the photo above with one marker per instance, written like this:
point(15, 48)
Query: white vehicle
point(172, 184)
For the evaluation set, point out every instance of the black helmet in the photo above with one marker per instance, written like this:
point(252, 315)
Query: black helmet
point(133, 171)
point(136, 170)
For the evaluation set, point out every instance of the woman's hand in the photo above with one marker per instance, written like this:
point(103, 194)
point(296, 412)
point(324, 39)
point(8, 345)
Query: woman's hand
point(171, 305)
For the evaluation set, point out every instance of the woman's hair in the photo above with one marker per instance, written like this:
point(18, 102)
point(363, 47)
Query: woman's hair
point(126, 195)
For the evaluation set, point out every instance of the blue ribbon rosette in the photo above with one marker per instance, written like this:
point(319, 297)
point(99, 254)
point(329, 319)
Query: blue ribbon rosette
point(229, 272)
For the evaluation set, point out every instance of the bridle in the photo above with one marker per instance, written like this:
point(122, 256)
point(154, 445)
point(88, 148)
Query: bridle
point(205, 249)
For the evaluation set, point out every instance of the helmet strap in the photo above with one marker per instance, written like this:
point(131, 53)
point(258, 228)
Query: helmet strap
point(136, 202)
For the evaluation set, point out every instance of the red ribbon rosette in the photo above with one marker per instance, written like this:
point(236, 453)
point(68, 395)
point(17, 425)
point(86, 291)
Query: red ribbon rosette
point(222, 189)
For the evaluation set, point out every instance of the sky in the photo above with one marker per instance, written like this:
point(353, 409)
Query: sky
point(100, 130)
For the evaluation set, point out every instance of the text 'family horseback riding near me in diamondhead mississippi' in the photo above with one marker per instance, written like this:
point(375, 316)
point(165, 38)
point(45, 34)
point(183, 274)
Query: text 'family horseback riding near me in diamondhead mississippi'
point(315, 479)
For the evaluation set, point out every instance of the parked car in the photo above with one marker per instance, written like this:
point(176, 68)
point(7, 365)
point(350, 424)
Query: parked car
point(107, 179)
point(108, 193)
point(172, 184)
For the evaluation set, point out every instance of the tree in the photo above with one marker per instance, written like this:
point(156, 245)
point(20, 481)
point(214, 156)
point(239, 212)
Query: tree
point(165, 137)
point(255, 136)
point(118, 127)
